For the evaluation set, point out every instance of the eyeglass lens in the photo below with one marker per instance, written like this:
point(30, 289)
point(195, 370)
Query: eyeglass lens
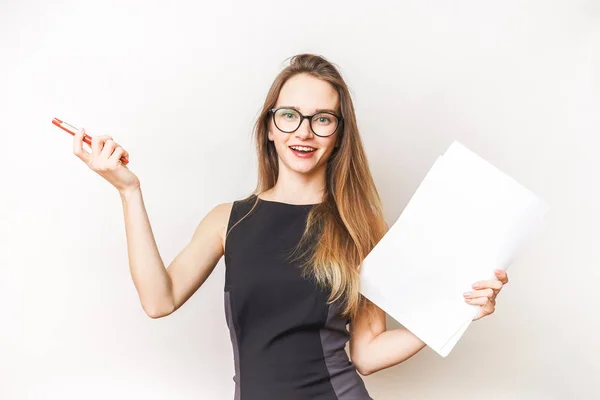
point(288, 120)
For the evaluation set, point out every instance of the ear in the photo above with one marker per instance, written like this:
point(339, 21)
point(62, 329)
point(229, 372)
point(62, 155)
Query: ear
point(270, 136)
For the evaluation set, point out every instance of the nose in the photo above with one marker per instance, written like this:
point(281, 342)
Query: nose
point(304, 130)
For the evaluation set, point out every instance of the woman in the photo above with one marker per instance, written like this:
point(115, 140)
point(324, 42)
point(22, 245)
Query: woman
point(291, 248)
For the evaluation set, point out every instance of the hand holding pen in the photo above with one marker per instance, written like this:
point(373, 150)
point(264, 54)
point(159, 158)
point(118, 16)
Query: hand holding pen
point(107, 158)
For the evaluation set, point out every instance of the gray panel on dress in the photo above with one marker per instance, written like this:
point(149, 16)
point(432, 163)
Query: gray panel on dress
point(345, 380)
point(234, 342)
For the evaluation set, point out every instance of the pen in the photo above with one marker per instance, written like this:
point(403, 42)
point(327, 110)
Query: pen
point(73, 131)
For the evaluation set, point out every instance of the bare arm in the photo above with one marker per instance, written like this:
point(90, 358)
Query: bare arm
point(373, 348)
point(163, 290)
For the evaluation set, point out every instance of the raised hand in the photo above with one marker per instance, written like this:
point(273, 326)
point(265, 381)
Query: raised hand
point(105, 160)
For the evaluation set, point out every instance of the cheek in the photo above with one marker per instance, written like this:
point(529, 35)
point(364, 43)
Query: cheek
point(330, 145)
point(278, 142)
point(277, 139)
point(275, 135)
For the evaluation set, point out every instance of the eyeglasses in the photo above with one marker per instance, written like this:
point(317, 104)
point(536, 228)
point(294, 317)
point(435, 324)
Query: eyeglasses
point(322, 123)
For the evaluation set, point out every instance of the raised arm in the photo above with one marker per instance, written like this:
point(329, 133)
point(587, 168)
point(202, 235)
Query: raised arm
point(161, 290)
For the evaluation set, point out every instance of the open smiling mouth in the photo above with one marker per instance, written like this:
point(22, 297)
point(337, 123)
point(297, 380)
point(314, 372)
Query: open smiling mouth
point(302, 151)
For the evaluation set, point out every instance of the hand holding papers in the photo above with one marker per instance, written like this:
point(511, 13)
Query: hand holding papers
point(466, 219)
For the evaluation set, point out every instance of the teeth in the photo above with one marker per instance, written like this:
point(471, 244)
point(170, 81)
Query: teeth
point(302, 148)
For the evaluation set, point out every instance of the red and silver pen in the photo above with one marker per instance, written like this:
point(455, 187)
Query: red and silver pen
point(73, 130)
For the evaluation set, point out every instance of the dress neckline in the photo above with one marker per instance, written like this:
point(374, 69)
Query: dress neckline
point(285, 204)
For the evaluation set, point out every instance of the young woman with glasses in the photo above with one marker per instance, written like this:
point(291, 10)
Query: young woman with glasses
point(292, 248)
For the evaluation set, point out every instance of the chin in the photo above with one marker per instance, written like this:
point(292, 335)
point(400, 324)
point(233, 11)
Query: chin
point(310, 170)
point(301, 169)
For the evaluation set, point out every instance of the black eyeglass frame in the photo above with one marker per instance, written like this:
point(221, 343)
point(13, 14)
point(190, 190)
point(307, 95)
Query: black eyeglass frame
point(309, 117)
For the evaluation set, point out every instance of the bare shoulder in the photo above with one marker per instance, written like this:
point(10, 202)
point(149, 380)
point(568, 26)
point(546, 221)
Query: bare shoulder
point(192, 266)
point(214, 226)
point(219, 215)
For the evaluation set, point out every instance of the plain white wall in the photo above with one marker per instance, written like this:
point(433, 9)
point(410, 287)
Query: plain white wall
point(179, 85)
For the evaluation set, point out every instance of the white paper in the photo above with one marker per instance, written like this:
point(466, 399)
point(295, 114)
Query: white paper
point(466, 219)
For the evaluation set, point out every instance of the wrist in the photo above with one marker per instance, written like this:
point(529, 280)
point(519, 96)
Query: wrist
point(127, 193)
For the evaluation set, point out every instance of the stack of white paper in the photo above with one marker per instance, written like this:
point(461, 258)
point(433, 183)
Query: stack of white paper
point(466, 219)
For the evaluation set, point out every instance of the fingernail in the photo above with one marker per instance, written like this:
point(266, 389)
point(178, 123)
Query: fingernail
point(467, 293)
point(476, 285)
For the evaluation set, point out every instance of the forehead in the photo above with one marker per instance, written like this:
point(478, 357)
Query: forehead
point(307, 94)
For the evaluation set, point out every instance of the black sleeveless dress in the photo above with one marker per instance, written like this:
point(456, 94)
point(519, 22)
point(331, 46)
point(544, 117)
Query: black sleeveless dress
point(288, 343)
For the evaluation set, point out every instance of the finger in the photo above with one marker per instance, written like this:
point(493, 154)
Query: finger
point(485, 310)
point(97, 144)
point(480, 301)
point(115, 158)
point(107, 149)
point(117, 145)
point(488, 308)
point(493, 284)
point(125, 152)
point(479, 293)
point(502, 276)
point(78, 149)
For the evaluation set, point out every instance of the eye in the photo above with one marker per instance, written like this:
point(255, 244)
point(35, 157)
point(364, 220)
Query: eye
point(287, 114)
point(324, 119)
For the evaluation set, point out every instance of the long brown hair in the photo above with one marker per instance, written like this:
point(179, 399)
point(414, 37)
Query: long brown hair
point(343, 229)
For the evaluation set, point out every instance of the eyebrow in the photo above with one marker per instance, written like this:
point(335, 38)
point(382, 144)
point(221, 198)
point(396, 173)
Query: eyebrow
point(318, 110)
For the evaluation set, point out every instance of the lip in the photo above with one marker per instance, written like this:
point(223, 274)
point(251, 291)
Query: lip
point(303, 155)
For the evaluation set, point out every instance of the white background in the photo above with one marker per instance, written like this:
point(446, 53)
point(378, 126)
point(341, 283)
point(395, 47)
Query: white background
point(179, 85)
